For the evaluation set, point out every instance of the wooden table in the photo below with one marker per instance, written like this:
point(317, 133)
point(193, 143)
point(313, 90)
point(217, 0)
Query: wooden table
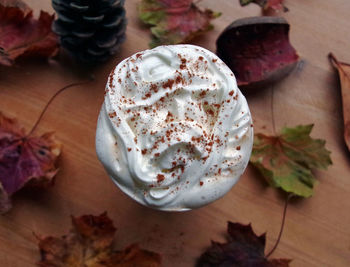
point(317, 231)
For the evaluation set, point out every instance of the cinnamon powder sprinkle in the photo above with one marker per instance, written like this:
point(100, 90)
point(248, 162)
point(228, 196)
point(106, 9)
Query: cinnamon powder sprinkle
point(148, 95)
point(209, 111)
point(129, 149)
point(168, 84)
point(111, 79)
point(160, 178)
point(154, 87)
point(183, 62)
point(178, 80)
point(112, 114)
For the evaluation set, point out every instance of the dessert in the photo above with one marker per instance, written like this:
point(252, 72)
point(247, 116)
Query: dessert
point(174, 132)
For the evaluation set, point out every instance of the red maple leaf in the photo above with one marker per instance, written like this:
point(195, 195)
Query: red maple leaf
point(243, 249)
point(175, 21)
point(24, 159)
point(21, 35)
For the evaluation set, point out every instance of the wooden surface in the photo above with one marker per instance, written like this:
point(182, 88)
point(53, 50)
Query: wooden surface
point(317, 231)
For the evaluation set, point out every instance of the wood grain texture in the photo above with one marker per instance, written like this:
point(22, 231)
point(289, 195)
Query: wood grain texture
point(317, 231)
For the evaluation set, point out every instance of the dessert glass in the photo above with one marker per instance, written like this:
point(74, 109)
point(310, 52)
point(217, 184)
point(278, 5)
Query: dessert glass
point(174, 132)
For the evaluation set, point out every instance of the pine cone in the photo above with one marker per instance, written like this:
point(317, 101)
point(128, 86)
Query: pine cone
point(91, 30)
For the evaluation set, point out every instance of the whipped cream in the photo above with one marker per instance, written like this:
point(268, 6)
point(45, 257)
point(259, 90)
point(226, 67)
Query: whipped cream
point(174, 132)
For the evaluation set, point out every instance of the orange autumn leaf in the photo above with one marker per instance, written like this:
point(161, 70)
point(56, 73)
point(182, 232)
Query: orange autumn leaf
point(90, 243)
point(21, 35)
point(24, 160)
point(344, 75)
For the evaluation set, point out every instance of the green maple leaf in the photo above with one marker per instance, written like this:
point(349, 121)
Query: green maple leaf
point(286, 160)
point(174, 21)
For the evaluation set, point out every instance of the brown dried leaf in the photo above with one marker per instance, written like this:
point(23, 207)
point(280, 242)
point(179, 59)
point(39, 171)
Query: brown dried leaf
point(89, 244)
point(344, 75)
point(21, 35)
point(24, 160)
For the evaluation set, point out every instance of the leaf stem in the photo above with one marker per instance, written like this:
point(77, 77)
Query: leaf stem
point(338, 64)
point(50, 101)
point(197, 2)
point(282, 225)
point(335, 61)
point(272, 112)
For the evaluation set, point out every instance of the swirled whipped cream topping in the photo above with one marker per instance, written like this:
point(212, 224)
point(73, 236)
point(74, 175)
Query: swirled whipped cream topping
point(174, 132)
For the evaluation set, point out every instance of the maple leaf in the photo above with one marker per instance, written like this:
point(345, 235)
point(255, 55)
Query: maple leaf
point(286, 160)
point(21, 35)
point(257, 49)
point(344, 75)
point(267, 5)
point(89, 244)
point(175, 21)
point(24, 160)
point(243, 249)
